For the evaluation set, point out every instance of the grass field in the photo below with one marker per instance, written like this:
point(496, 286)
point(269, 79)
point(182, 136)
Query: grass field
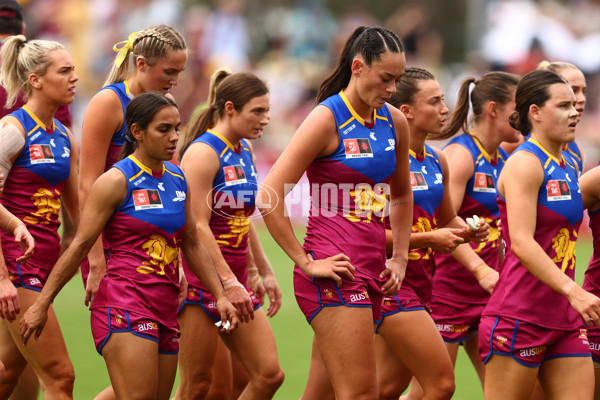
point(292, 333)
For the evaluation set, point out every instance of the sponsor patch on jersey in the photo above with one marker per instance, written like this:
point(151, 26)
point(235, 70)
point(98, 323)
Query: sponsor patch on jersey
point(417, 181)
point(484, 183)
point(234, 175)
point(40, 154)
point(558, 189)
point(358, 148)
point(144, 199)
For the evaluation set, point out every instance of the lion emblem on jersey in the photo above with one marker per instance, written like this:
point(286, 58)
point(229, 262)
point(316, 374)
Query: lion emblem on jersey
point(565, 249)
point(48, 207)
point(161, 255)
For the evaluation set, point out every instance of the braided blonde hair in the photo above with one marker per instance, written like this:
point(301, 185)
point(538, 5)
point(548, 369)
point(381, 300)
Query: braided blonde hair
point(152, 43)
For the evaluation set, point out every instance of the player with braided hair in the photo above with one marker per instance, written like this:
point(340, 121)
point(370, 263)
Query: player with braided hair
point(352, 146)
point(159, 54)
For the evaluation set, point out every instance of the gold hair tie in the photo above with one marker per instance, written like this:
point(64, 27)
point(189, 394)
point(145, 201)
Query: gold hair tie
point(126, 47)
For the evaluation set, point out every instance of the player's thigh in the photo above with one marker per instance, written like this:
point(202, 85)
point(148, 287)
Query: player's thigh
point(133, 365)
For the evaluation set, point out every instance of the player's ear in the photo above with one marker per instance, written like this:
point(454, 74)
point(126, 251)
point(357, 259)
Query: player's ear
point(136, 132)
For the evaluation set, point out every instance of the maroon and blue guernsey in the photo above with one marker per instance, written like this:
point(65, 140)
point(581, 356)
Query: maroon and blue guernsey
point(591, 282)
point(452, 280)
point(349, 188)
point(520, 295)
point(233, 195)
point(33, 189)
point(426, 180)
point(144, 233)
point(121, 89)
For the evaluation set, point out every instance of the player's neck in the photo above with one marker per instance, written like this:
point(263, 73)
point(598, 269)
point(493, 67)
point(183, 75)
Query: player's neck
point(223, 128)
point(489, 143)
point(417, 142)
point(42, 110)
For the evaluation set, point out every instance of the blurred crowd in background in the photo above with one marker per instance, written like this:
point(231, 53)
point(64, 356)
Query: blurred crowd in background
point(292, 45)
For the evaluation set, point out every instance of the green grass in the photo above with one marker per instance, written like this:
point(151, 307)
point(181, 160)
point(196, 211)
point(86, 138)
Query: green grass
point(293, 334)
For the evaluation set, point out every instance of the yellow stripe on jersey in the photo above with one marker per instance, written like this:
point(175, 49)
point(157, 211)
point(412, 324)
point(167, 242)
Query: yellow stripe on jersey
point(351, 109)
point(35, 118)
point(383, 118)
point(484, 153)
point(572, 166)
point(228, 144)
point(353, 112)
point(142, 167)
point(33, 130)
point(550, 156)
point(346, 123)
point(425, 153)
point(174, 174)
point(126, 88)
point(61, 131)
point(245, 142)
point(40, 123)
point(136, 175)
point(573, 153)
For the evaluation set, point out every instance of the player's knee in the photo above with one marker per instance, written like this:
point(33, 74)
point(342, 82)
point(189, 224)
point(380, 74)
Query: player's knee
point(62, 381)
point(443, 390)
point(197, 389)
point(391, 390)
point(219, 391)
point(10, 379)
point(270, 380)
point(367, 394)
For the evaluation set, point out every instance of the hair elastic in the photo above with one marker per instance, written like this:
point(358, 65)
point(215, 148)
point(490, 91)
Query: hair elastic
point(126, 47)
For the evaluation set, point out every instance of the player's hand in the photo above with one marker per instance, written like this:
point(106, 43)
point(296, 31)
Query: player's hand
point(25, 241)
point(9, 301)
point(183, 287)
point(274, 293)
point(499, 226)
point(394, 271)
point(447, 239)
point(477, 236)
point(97, 272)
point(586, 304)
point(33, 322)
point(331, 267)
point(229, 316)
point(239, 297)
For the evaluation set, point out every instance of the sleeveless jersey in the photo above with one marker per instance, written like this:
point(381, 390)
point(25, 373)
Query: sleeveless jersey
point(233, 195)
point(428, 191)
point(34, 187)
point(144, 234)
point(114, 152)
point(573, 150)
point(452, 280)
point(117, 141)
point(518, 294)
point(591, 282)
point(349, 188)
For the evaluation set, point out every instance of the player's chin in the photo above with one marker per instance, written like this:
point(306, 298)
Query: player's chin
point(379, 103)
